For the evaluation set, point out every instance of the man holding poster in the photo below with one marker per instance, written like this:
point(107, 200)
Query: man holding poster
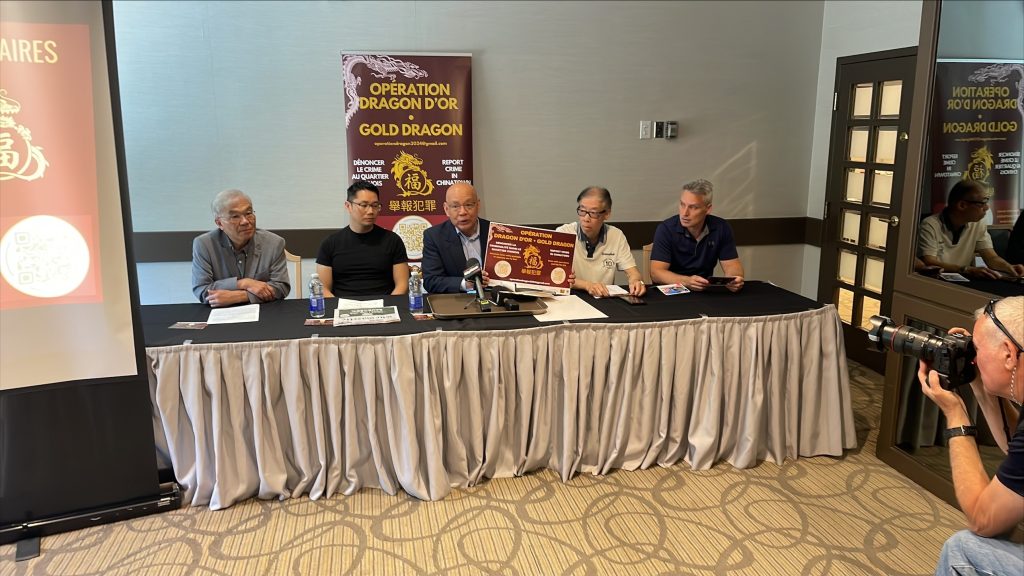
point(600, 249)
point(449, 245)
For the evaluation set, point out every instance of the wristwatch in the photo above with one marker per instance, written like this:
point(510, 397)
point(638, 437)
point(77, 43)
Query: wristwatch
point(960, 431)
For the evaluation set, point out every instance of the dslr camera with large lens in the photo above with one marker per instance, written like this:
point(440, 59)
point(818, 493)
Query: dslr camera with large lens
point(950, 355)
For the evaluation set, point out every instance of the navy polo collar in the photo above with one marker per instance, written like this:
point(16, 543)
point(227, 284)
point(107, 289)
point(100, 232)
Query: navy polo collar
point(601, 236)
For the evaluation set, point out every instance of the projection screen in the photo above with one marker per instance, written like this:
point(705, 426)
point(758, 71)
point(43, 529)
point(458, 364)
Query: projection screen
point(65, 297)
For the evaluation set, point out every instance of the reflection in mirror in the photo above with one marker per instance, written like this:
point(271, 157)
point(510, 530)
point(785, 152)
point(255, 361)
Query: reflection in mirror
point(920, 423)
point(976, 134)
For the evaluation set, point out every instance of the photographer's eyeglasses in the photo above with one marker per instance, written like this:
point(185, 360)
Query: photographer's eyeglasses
point(990, 311)
point(236, 218)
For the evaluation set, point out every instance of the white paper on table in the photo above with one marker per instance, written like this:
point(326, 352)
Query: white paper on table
point(953, 277)
point(248, 313)
point(616, 290)
point(345, 304)
point(568, 308)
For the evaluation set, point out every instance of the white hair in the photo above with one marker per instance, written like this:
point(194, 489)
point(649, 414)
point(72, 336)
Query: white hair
point(221, 201)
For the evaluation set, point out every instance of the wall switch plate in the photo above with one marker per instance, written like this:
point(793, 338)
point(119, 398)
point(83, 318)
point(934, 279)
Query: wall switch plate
point(646, 129)
point(671, 129)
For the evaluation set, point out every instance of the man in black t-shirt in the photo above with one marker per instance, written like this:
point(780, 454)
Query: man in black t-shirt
point(993, 507)
point(363, 258)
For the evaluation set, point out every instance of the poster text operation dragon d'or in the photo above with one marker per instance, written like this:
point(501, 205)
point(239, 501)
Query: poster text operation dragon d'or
point(408, 127)
point(977, 132)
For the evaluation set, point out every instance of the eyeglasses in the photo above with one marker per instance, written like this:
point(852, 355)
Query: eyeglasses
point(990, 311)
point(236, 218)
point(374, 206)
point(978, 202)
point(469, 206)
point(595, 214)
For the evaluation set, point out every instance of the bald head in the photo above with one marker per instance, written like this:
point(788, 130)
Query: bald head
point(462, 206)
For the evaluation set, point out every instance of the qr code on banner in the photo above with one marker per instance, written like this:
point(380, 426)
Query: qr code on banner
point(44, 256)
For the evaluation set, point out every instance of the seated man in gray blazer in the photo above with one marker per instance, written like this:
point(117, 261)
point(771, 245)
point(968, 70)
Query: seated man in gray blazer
point(237, 263)
point(448, 245)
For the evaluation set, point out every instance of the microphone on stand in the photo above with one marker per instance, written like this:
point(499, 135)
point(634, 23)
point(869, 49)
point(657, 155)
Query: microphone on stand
point(474, 273)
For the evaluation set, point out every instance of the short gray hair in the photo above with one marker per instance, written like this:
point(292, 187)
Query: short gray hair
point(701, 187)
point(1010, 312)
point(221, 201)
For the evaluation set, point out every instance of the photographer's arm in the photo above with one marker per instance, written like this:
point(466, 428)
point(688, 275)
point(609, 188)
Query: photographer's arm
point(991, 508)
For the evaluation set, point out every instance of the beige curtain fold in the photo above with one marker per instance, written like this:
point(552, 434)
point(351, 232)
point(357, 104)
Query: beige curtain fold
point(428, 412)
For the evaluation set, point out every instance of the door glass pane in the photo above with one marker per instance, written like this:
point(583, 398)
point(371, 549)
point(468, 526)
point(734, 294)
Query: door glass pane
point(868, 307)
point(858, 144)
point(851, 226)
point(847, 266)
point(885, 153)
point(878, 230)
point(874, 268)
point(891, 92)
point(862, 101)
point(844, 304)
point(854, 184)
point(881, 188)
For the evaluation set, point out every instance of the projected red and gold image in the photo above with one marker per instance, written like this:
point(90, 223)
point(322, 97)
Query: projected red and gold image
point(49, 252)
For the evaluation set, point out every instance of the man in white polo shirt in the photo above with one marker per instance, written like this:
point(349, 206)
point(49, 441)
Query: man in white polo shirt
point(951, 238)
point(600, 249)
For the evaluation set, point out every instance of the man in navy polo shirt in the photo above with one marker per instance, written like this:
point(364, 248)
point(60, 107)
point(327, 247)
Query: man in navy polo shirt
point(687, 247)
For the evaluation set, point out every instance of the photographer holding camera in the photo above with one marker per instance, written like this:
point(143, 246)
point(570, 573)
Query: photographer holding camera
point(992, 507)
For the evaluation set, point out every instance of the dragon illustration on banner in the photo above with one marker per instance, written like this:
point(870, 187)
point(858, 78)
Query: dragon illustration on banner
point(382, 66)
point(995, 73)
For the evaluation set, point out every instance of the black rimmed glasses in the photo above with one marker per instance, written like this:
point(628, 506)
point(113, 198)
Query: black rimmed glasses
point(979, 202)
point(595, 214)
point(990, 311)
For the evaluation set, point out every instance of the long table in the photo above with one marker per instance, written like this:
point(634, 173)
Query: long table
point(277, 409)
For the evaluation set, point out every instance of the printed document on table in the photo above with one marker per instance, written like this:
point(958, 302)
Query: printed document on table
point(346, 304)
point(616, 290)
point(248, 313)
point(356, 316)
point(568, 308)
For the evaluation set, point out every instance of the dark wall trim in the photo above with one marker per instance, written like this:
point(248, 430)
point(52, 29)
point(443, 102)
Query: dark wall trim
point(177, 246)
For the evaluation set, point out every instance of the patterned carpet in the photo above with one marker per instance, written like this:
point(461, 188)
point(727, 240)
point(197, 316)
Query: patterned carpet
point(814, 516)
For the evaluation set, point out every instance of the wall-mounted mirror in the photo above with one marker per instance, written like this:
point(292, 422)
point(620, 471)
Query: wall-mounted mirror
point(973, 145)
point(981, 36)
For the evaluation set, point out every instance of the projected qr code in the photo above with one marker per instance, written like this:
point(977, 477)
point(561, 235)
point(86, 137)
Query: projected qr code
point(44, 256)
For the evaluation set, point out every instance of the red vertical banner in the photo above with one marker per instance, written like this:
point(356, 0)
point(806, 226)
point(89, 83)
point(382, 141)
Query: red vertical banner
point(49, 247)
point(408, 123)
point(977, 132)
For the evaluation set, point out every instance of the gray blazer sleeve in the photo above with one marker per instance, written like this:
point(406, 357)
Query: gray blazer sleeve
point(278, 270)
point(203, 274)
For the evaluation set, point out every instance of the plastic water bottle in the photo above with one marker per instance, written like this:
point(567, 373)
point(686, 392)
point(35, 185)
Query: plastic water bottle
point(316, 296)
point(415, 291)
